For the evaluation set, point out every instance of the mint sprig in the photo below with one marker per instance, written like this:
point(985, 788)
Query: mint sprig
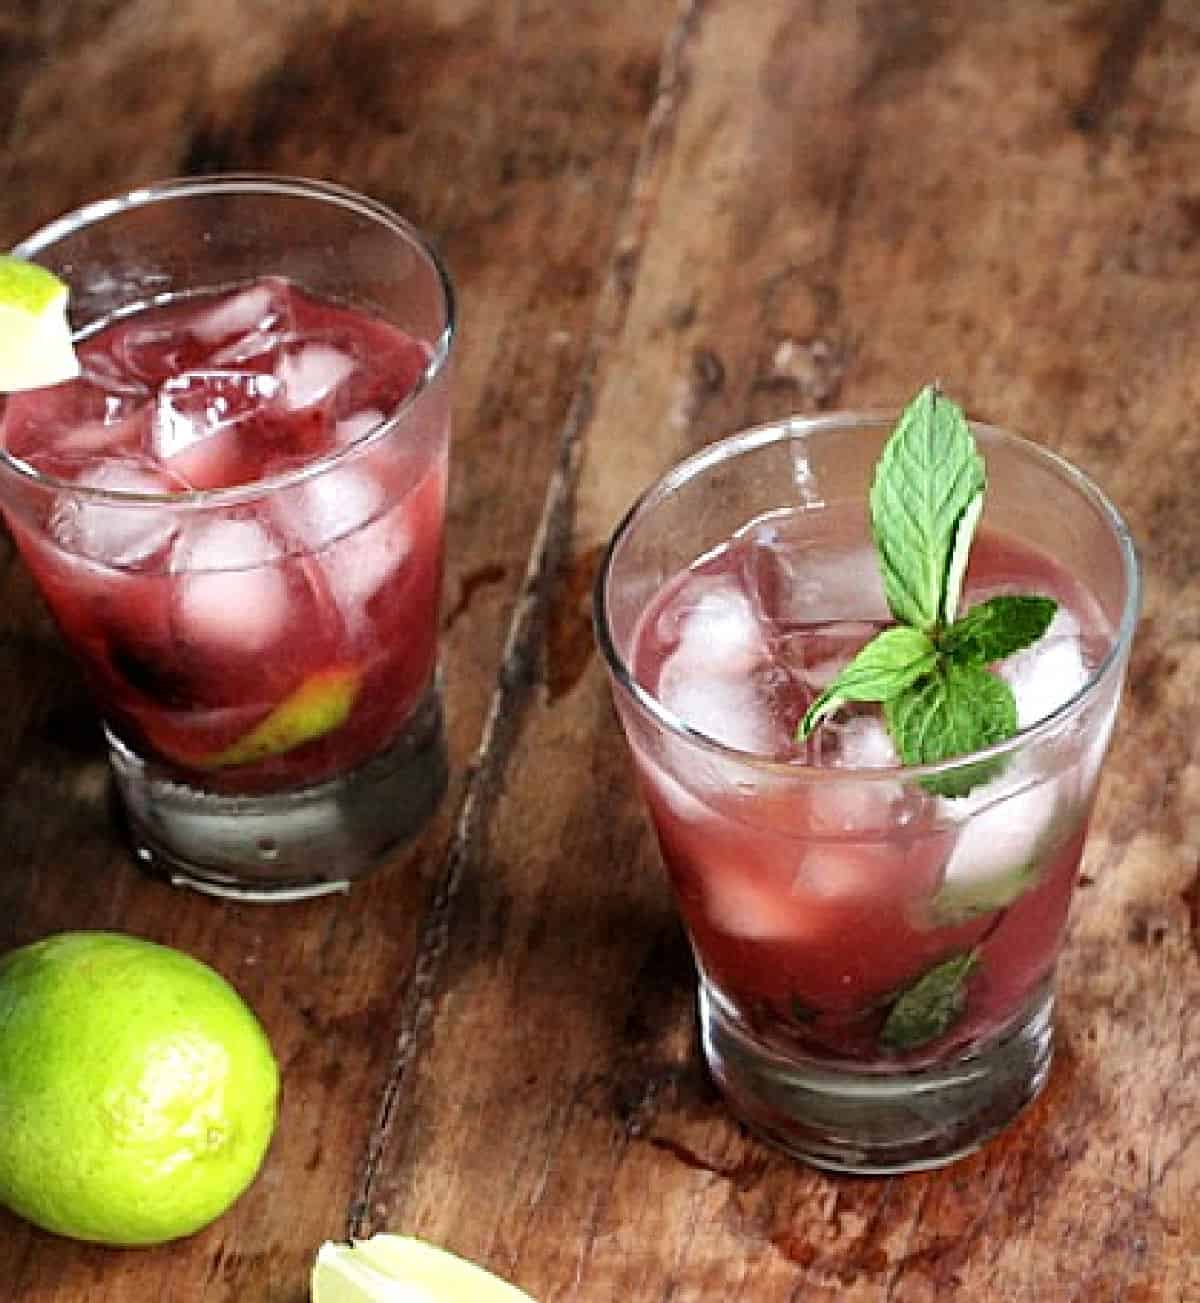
point(929, 670)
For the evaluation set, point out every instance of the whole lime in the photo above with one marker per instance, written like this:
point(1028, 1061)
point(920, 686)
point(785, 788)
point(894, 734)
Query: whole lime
point(138, 1092)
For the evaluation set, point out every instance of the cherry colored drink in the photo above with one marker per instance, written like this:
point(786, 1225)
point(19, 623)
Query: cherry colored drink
point(876, 958)
point(236, 514)
point(194, 630)
point(811, 910)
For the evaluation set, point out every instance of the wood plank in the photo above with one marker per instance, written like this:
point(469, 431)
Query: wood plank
point(509, 131)
point(837, 202)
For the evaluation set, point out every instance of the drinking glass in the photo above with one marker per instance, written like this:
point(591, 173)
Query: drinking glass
point(296, 614)
point(876, 960)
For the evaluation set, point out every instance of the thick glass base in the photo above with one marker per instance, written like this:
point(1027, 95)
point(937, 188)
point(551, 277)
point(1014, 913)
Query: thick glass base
point(877, 1123)
point(291, 845)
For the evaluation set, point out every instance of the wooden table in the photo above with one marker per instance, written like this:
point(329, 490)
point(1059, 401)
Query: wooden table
point(666, 221)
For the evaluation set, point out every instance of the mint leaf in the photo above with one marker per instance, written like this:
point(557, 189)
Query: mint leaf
point(891, 662)
point(929, 476)
point(951, 712)
point(930, 1006)
point(996, 628)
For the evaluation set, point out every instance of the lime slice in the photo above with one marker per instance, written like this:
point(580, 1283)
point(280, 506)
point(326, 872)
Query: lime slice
point(400, 1269)
point(35, 340)
point(318, 706)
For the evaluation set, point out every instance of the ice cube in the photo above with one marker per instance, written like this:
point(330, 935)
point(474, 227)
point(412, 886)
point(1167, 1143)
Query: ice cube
point(722, 707)
point(835, 872)
point(254, 309)
point(232, 593)
point(145, 354)
point(1003, 828)
point(197, 415)
point(343, 516)
point(359, 564)
point(843, 803)
point(742, 906)
point(857, 742)
point(120, 435)
point(816, 654)
point(801, 574)
point(311, 373)
point(1046, 675)
point(715, 626)
point(198, 404)
point(72, 422)
point(321, 509)
point(848, 805)
point(102, 371)
point(354, 427)
point(720, 681)
point(120, 534)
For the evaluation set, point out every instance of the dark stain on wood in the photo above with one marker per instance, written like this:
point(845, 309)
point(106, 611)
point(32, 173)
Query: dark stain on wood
point(570, 643)
point(481, 577)
point(1114, 70)
point(741, 1174)
point(1191, 899)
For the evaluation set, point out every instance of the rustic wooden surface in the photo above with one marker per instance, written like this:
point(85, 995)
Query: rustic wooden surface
point(666, 221)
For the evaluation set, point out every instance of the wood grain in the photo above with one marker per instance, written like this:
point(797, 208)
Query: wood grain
point(863, 197)
point(667, 222)
point(509, 132)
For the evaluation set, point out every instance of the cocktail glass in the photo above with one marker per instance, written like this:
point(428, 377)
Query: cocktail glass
point(264, 655)
point(876, 961)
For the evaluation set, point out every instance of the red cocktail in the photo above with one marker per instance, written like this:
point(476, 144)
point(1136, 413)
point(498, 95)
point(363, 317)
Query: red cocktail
point(236, 518)
point(876, 957)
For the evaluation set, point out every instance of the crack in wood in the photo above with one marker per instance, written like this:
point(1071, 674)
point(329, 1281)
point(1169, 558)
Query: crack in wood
point(517, 672)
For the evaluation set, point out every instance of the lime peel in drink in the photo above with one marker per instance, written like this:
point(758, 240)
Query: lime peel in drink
point(319, 705)
point(401, 1269)
point(35, 338)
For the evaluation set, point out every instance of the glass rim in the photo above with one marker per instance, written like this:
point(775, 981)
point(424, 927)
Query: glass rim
point(243, 183)
point(788, 428)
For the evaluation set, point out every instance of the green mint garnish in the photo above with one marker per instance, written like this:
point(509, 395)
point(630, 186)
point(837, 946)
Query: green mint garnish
point(929, 670)
point(996, 628)
point(929, 482)
point(890, 663)
point(930, 1006)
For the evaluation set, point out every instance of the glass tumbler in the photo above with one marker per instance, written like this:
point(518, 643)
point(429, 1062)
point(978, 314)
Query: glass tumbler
point(263, 653)
point(876, 958)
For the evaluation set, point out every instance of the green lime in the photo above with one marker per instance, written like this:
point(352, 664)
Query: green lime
point(391, 1268)
point(137, 1091)
point(35, 339)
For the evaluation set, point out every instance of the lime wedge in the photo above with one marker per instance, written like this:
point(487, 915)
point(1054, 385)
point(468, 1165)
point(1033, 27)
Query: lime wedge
point(318, 706)
point(35, 340)
point(400, 1269)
